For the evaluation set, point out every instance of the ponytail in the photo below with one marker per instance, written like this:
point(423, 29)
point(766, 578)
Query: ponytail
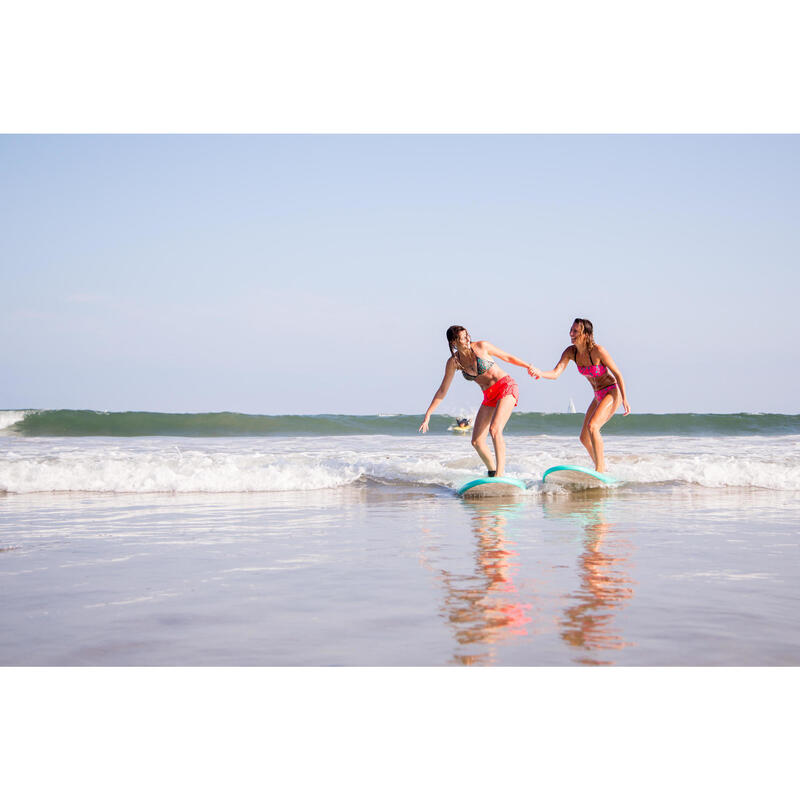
point(452, 336)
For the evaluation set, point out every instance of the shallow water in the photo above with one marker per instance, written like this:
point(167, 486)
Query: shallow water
point(373, 574)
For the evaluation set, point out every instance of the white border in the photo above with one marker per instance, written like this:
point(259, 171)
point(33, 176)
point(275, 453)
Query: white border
point(376, 67)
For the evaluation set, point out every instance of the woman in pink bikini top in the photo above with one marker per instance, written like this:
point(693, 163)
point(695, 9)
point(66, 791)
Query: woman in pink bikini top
point(596, 364)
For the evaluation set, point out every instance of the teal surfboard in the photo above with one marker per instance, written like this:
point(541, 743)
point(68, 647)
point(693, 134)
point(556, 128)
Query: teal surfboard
point(574, 477)
point(492, 487)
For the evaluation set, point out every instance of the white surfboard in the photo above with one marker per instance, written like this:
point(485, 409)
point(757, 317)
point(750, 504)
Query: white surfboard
point(492, 487)
point(574, 477)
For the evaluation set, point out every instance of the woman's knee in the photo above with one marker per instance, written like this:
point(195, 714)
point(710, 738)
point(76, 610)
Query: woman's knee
point(496, 432)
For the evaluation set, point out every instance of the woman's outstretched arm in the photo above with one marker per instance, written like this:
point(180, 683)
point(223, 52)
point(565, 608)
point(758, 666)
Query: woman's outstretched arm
point(566, 357)
point(501, 354)
point(441, 392)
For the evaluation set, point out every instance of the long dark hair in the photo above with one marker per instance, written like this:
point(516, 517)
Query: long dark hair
point(452, 336)
point(588, 330)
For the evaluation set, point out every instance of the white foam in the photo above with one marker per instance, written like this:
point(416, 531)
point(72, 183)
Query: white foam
point(314, 463)
point(120, 470)
point(9, 418)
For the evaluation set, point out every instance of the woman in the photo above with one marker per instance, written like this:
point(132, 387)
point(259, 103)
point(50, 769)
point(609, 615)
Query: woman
point(603, 374)
point(500, 392)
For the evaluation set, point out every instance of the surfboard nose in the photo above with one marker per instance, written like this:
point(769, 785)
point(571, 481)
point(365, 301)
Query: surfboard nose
point(492, 487)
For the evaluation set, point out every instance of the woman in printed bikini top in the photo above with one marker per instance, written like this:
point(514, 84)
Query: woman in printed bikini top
point(500, 392)
point(596, 364)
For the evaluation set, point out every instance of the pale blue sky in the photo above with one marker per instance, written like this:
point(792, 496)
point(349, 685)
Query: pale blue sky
point(314, 274)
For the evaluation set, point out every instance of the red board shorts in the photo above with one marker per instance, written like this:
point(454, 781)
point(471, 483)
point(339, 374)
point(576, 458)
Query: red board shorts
point(497, 391)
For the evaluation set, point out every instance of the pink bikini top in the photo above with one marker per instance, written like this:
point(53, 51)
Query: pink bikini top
point(595, 370)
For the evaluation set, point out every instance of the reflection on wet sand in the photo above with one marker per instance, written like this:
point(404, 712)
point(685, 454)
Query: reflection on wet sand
point(483, 608)
point(503, 596)
point(589, 623)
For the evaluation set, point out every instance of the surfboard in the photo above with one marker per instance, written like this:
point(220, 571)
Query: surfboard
point(574, 477)
point(492, 487)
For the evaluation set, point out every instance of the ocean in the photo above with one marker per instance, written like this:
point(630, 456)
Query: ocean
point(232, 539)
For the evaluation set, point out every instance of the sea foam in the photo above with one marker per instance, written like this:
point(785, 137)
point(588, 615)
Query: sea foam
point(118, 471)
point(298, 464)
point(9, 418)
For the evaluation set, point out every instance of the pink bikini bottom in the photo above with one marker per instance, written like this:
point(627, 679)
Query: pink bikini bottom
point(601, 393)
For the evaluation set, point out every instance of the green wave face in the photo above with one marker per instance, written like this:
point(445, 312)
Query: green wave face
point(144, 423)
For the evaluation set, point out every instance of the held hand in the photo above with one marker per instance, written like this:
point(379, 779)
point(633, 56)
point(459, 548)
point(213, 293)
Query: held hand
point(424, 427)
point(534, 373)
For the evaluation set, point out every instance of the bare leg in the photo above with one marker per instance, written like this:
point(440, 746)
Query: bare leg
point(479, 430)
point(603, 413)
point(499, 420)
point(586, 439)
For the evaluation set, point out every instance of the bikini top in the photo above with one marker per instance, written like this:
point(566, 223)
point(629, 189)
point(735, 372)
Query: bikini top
point(595, 370)
point(481, 365)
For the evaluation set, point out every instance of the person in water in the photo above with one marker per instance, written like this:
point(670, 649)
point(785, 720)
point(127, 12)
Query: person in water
point(596, 364)
point(500, 392)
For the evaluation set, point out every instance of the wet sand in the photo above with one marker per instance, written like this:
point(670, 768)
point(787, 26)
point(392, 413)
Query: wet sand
point(381, 576)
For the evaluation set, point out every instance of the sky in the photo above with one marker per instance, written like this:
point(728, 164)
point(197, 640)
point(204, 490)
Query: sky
point(312, 274)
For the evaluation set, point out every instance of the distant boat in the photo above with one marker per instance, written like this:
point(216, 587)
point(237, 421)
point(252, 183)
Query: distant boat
point(571, 408)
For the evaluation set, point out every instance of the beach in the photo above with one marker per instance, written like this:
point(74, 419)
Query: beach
point(164, 550)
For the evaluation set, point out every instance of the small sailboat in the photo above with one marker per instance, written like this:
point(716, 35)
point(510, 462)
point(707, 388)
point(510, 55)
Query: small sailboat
point(571, 407)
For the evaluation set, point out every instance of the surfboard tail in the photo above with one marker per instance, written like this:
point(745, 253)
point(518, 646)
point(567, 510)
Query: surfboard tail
point(576, 477)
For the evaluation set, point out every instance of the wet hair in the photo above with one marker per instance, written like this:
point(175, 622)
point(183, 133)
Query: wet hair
point(452, 337)
point(588, 329)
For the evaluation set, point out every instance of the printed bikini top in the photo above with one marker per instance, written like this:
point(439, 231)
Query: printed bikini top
point(481, 364)
point(595, 370)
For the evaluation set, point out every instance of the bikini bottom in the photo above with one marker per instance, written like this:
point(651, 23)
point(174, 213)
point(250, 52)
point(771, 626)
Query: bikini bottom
point(498, 390)
point(601, 393)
